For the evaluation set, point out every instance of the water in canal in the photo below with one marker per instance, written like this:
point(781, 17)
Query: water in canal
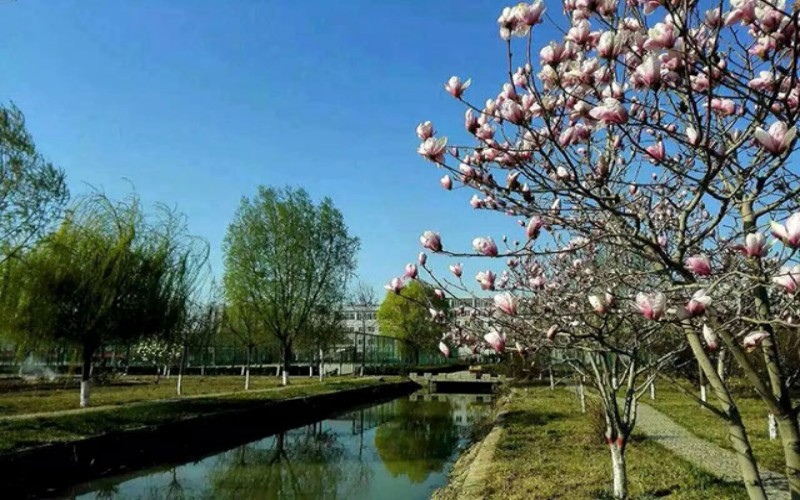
point(402, 449)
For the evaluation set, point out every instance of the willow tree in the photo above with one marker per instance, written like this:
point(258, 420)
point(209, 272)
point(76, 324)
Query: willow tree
point(106, 275)
point(287, 257)
point(415, 314)
point(32, 191)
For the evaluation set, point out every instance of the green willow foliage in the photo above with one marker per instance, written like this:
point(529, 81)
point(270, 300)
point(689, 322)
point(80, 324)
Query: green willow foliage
point(286, 259)
point(107, 274)
point(32, 191)
point(406, 315)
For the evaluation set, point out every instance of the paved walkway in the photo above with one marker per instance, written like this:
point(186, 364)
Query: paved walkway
point(718, 461)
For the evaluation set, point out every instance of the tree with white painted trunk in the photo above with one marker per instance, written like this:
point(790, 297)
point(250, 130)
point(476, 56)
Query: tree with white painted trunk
point(242, 321)
point(666, 130)
point(286, 257)
point(109, 274)
point(363, 297)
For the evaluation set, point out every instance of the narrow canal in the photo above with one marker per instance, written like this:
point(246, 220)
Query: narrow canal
point(401, 449)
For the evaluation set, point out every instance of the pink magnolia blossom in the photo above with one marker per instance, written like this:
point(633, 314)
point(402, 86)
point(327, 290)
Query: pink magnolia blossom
point(444, 349)
point(754, 245)
point(648, 74)
point(660, 36)
point(432, 241)
point(553, 53)
point(425, 130)
point(411, 271)
point(692, 136)
point(652, 306)
point(777, 139)
point(764, 82)
point(699, 265)
point(446, 182)
point(533, 227)
point(724, 107)
point(456, 87)
point(439, 294)
point(456, 269)
point(436, 314)
point(608, 45)
point(710, 336)
point(496, 340)
point(395, 285)
point(788, 278)
point(657, 151)
point(422, 258)
point(433, 149)
point(485, 246)
point(754, 339)
point(538, 282)
point(790, 233)
point(601, 303)
point(530, 15)
point(610, 112)
point(485, 279)
point(698, 303)
point(506, 302)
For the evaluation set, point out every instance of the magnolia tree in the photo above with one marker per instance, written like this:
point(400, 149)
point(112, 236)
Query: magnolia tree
point(661, 131)
point(541, 303)
point(158, 353)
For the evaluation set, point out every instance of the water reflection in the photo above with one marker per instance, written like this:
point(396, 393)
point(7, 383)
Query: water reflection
point(401, 449)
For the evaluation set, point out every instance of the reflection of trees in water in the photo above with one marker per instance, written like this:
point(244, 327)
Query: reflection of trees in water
point(175, 489)
point(106, 490)
point(172, 491)
point(419, 440)
point(305, 464)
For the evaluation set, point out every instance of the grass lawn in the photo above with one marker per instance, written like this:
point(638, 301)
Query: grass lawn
point(130, 390)
point(548, 450)
point(704, 424)
point(16, 433)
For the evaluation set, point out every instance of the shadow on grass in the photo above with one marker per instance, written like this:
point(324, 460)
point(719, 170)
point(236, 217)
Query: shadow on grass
point(528, 418)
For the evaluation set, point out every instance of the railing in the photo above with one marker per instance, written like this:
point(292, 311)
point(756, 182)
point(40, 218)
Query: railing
point(373, 351)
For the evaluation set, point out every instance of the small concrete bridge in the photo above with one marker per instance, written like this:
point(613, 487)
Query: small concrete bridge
point(458, 382)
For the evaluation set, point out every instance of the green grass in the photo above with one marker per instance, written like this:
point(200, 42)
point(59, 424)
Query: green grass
point(129, 390)
point(16, 434)
point(548, 450)
point(706, 425)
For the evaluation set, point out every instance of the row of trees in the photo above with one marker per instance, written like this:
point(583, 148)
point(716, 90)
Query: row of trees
point(287, 265)
point(97, 271)
point(645, 153)
point(107, 274)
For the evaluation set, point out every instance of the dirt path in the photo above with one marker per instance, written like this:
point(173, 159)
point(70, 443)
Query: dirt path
point(718, 461)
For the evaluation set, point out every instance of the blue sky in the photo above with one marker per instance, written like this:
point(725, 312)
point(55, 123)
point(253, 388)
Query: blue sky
point(197, 102)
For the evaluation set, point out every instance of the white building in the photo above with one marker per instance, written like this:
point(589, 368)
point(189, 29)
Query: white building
point(358, 319)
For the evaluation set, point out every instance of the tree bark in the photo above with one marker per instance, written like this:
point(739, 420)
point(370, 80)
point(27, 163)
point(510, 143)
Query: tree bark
point(737, 434)
point(247, 368)
point(86, 375)
point(619, 470)
point(702, 380)
point(721, 363)
point(181, 363)
point(321, 365)
point(286, 361)
point(582, 396)
point(772, 427)
point(653, 390)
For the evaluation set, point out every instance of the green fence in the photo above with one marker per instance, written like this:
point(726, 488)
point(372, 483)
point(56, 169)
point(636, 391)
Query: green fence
point(372, 351)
